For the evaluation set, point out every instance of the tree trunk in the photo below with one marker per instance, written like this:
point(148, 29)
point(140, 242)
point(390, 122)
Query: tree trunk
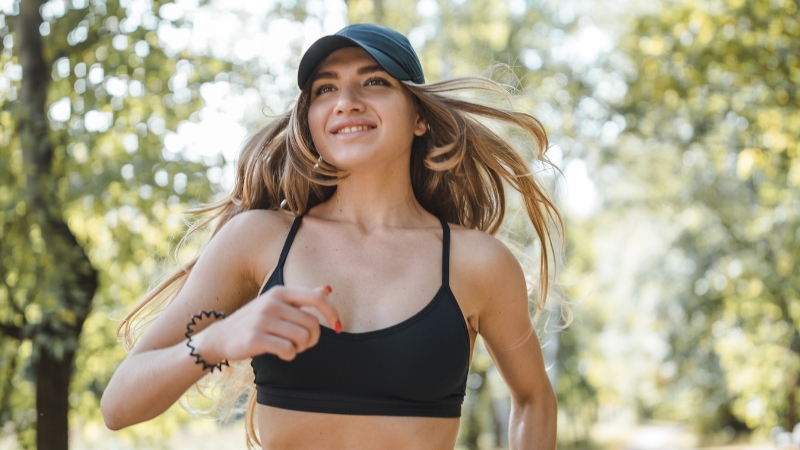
point(73, 277)
point(32, 124)
point(52, 400)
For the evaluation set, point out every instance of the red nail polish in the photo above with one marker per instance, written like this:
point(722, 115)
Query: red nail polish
point(338, 327)
point(327, 289)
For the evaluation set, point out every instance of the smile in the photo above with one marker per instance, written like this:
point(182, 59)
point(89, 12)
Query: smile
point(348, 130)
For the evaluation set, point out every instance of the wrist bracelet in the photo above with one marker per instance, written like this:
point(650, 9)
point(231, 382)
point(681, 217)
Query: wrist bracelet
point(190, 331)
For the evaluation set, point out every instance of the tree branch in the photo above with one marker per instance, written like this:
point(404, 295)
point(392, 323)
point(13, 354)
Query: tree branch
point(18, 309)
point(11, 331)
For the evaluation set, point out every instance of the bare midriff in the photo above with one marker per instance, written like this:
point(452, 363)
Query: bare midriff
point(288, 429)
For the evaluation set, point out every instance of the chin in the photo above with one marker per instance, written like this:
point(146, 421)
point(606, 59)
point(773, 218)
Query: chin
point(366, 156)
point(349, 159)
point(351, 164)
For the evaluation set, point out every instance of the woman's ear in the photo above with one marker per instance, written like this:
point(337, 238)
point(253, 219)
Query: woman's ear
point(421, 127)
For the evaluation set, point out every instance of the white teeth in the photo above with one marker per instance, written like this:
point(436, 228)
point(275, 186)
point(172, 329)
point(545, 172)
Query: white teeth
point(353, 129)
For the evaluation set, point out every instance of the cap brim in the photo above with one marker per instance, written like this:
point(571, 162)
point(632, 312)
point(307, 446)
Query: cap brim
point(326, 45)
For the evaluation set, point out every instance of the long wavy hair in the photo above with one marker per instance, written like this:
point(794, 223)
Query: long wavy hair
point(460, 170)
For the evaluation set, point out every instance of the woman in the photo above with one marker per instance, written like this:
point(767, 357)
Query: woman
point(356, 263)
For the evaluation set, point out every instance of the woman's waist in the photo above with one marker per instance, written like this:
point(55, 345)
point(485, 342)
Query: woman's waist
point(283, 428)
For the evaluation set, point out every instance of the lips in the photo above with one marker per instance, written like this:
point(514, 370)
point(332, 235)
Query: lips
point(352, 126)
point(349, 130)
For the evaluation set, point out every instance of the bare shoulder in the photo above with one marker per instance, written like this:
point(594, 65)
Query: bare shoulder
point(484, 273)
point(258, 223)
point(481, 255)
point(251, 231)
point(256, 236)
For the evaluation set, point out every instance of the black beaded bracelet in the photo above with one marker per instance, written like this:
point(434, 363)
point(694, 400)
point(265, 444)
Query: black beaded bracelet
point(190, 331)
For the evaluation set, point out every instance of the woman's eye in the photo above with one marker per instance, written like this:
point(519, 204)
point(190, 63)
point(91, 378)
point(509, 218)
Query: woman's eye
point(323, 89)
point(377, 82)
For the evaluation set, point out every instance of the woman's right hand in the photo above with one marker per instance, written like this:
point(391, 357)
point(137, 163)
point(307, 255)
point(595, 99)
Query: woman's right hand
point(225, 277)
point(273, 323)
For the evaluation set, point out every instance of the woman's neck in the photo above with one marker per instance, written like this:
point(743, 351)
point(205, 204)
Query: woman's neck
point(374, 200)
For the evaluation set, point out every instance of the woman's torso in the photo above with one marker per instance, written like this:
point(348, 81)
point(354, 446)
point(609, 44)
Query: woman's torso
point(287, 429)
point(379, 279)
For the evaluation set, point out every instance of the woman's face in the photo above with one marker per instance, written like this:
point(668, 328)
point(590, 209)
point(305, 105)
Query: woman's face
point(360, 117)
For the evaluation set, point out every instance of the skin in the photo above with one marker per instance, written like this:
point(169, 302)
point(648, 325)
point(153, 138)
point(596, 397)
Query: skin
point(378, 249)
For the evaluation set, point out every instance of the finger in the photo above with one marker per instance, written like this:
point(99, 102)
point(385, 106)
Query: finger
point(310, 297)
point(297, 335)
point(302, 318)
point(278, 346)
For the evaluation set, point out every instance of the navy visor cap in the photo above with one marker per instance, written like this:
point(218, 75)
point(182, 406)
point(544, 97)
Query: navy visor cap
point(388, 47)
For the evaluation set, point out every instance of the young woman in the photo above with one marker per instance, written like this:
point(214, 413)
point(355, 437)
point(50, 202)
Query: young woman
point(356, 263)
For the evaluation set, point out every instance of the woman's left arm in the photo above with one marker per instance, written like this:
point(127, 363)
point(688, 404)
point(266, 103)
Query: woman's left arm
point(505, 326)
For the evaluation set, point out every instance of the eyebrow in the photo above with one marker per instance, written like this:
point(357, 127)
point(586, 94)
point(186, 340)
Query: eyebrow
point(335, 76)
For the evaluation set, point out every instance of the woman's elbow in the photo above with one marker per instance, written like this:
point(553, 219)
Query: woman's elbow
point(113, 426)
point(111, 412)
point(549, 401)
point(543, 400)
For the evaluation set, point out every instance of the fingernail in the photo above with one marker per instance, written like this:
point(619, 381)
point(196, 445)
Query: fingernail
point(338, 327)
point(327, 289)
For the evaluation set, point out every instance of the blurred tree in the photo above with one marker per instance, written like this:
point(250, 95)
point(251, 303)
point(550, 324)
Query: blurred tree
point(715, 102)
point(87, 197)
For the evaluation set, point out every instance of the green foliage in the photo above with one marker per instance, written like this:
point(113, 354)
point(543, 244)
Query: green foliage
point(115, 186)
point(716, 98)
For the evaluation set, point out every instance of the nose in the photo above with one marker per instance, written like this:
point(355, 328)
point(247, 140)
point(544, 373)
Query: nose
point(349, 100)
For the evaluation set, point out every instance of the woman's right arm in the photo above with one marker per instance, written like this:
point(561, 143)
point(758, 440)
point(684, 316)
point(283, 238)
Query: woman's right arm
point(159, 369)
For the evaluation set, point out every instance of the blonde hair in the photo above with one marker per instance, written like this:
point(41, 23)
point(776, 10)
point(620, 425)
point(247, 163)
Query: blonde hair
point(459, 172)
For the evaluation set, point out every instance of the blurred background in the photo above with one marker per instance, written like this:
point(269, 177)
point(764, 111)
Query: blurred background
point(674, 125)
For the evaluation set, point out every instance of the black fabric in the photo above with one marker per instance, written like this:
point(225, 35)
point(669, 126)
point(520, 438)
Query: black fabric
point(389, 48)
point(417, 367)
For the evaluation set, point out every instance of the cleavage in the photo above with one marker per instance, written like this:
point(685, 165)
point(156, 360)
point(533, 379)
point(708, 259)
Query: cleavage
point(373, 288)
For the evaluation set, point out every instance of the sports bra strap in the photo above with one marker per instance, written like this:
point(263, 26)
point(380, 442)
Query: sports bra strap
point(445, 253)
point(289, 239)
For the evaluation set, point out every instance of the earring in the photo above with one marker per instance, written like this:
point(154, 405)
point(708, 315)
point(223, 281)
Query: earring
point(319, 160)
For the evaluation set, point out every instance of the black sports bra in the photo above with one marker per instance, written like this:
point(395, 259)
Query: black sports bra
point(417, 367)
